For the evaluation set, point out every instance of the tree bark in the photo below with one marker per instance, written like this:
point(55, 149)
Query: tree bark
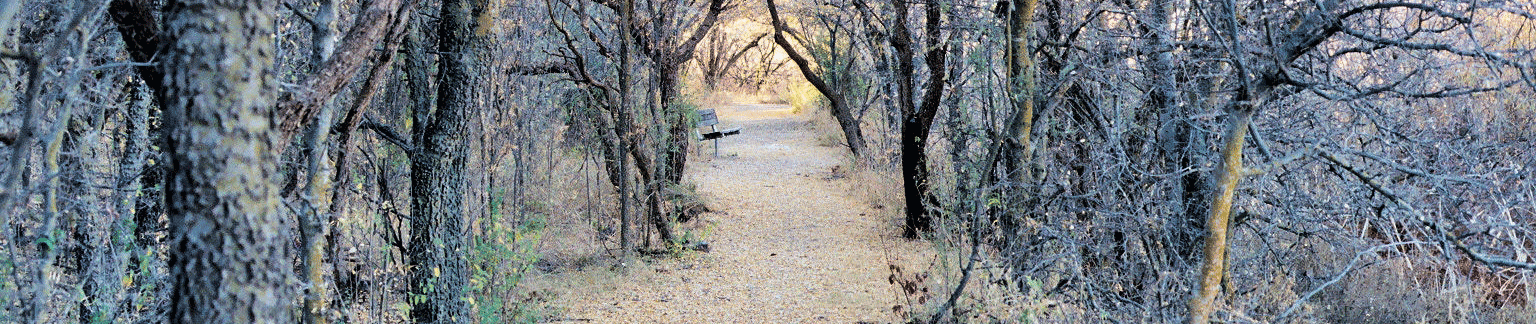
point(1227, 179)
point(438, 272)
point(135, 20)
point(312, 222)
point(620, 170)
point(228, 259)
point(299, 108)
point(1021, 80)
point(1255, 85)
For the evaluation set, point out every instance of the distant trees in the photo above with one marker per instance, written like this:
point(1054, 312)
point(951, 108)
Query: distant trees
point(668, 41)
point(608, 47)
point(721, 55)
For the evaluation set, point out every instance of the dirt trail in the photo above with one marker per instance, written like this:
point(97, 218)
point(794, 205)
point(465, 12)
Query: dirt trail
point(789, 245)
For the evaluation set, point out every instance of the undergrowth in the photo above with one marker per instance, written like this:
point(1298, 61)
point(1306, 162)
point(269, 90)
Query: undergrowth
point(505, 251)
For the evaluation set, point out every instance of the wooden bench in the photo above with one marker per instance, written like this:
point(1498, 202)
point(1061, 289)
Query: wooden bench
point(707, 118)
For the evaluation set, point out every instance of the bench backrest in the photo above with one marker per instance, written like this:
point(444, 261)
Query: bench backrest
point(707, 117)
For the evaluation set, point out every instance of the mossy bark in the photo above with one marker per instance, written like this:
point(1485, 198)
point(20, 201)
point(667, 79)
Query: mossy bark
point(1021, 90)
point(438, 265)
point(229, 260)
point(1227, 178)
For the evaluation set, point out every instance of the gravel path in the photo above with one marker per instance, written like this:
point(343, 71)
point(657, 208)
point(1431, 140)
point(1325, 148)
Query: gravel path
point(789, 245)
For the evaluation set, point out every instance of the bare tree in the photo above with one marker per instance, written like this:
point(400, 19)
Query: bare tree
point(719, 60)
point(917, 119)
point(836, 98)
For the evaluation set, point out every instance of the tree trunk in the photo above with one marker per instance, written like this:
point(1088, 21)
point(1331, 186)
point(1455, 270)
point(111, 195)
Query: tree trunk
point(229, 260)
point(382, 69)
point(1175, 137)
point(438, 272)
point(1201, 307)
point(312, 221)
point(672, 160)
point(1021, 80)
point(1250, 95)
point(620, 172)
point(716, 64)
point(917, 120)
point(667, 61)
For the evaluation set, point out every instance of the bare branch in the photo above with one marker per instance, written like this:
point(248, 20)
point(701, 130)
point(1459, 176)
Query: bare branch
point(300, 13)
point(519, 68)
point(374, 23)
point(387, 133)
point(1393, 5)
point(1403, 43)
point(1413, 171)
point(1440, 232)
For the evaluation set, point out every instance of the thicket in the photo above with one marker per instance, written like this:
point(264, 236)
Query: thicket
point(1343, 160)
point(1374, 155)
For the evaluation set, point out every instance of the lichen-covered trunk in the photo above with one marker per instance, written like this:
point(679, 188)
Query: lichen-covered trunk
point(438, 272)
point(1021, 88)
point(1227, 178)
point(228, 253)
point(314, 200)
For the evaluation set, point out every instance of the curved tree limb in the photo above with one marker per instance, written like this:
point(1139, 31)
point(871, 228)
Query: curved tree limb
point(372, 24)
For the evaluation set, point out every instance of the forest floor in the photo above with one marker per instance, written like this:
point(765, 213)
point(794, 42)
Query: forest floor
point(790, 242)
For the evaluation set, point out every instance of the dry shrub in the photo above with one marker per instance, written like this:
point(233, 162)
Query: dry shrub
point(762, 98)
point(1384, 293)
point(1515, 314)
point(581, 203)
point(880, 187)
point(1410, 285)
point(825, 128)
point(991, 295)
